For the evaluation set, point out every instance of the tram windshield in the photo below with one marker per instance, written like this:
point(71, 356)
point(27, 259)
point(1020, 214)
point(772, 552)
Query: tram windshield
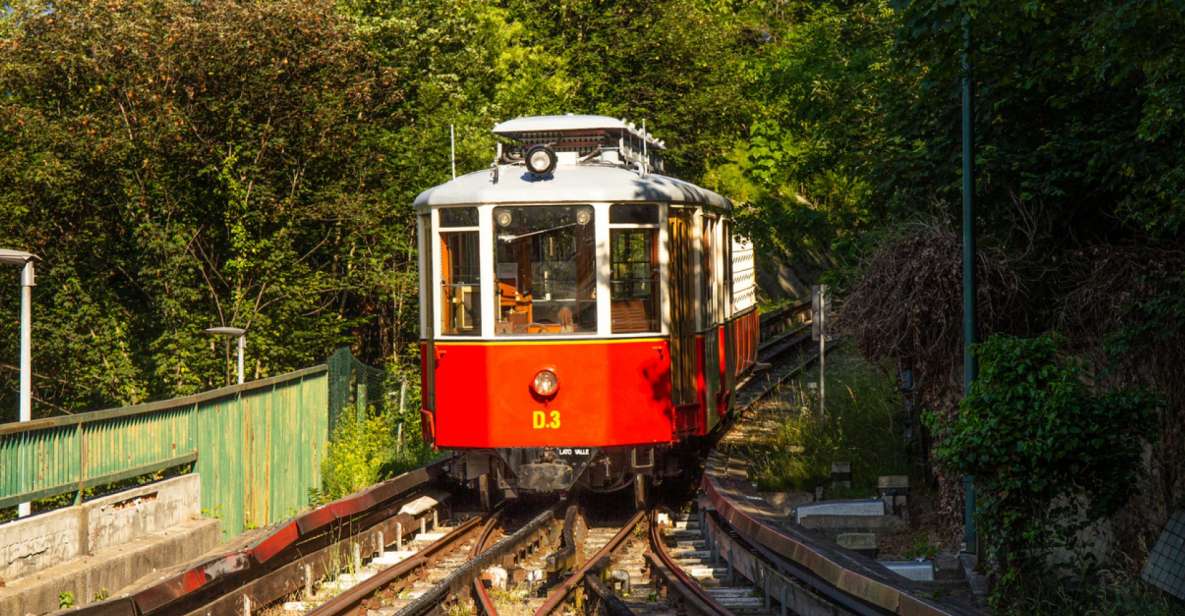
point(545, 265)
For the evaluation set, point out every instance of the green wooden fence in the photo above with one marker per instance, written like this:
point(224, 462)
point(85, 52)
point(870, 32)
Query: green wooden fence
point(257, 447)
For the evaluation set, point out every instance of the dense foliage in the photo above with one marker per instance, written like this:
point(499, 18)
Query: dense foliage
point(180, 166)
point(1050, 456)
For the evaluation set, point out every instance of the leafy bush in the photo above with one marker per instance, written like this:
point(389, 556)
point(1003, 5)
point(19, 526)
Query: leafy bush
point(366, 450)
point(1049, 455)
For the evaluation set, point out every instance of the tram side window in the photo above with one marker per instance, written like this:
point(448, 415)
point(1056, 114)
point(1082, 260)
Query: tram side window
point(545, 264)
point(633, 279)
point(460, 283)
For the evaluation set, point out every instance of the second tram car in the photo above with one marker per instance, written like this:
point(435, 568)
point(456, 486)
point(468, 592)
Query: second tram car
point(582, 315)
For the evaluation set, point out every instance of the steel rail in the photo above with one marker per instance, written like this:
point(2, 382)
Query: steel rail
point(463, 576)
point(801, 589)
point(785, 342)
point(693, 595)
point(777, 338)
point(350, 602)
point(784, 311)
point(479, 589)
point(611, 604)
point(597, 561)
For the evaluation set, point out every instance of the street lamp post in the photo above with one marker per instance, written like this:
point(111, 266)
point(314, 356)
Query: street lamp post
point(233, 332)
point(25, 261)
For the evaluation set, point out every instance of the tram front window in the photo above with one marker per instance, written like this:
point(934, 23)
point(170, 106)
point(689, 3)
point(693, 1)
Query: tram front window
point(545, 265)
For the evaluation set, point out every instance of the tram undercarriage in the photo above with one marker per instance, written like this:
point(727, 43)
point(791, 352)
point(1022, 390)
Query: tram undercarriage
point(513, 472)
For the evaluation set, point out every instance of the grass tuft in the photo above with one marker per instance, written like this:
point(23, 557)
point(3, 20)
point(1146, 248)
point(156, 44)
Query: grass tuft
point(861, 424)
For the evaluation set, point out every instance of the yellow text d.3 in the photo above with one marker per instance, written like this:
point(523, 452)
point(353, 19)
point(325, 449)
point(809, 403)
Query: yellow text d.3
point(545, 420)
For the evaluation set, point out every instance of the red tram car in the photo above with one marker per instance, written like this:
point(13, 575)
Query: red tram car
point(582, 316)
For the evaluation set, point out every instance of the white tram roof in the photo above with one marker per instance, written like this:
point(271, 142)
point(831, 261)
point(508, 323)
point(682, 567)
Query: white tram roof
point(582, 183)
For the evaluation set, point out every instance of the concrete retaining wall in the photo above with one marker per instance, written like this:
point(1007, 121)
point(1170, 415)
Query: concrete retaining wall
point(32, 544)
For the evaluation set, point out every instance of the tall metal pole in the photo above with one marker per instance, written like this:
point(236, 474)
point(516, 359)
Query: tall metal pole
point(822, 350)
point(242, 347)
point(452, 148)
point(969, 367)
point(26, 367)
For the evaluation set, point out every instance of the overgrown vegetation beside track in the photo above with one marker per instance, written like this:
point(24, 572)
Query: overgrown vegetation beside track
point(1053, 460)
point(863, 424)
point(366, 449)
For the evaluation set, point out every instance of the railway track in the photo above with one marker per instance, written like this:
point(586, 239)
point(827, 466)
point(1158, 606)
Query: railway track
point(433, 579)
point(394, 578)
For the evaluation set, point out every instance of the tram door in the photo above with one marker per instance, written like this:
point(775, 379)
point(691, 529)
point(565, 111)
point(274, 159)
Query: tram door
point(427, 322)
point(730, 343)
point(683, 310)
point(710, 295)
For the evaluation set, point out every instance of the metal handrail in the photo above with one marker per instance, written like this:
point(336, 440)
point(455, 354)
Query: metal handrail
point(157, 405)
point(80, 452)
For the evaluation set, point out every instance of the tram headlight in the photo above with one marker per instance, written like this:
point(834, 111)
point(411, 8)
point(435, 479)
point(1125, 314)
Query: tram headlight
point(545, 383)
point(540, 159)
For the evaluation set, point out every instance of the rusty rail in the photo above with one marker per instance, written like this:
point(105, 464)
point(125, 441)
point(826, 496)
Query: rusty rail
point(479, 589)
point(596, 562)
point(463, 576)
point(351, 601)
point(694, 598)
point(825, 570)
point(774, 321)
point(860, 590)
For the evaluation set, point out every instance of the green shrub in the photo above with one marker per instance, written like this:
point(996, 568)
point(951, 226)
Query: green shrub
point(366, 450)
point(1049, 456)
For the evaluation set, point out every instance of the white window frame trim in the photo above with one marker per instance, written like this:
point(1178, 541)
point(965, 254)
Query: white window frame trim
point(485, 229)
point(663, 311)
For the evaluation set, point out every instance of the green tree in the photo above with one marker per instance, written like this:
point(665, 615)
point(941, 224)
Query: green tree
point(180, 166)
